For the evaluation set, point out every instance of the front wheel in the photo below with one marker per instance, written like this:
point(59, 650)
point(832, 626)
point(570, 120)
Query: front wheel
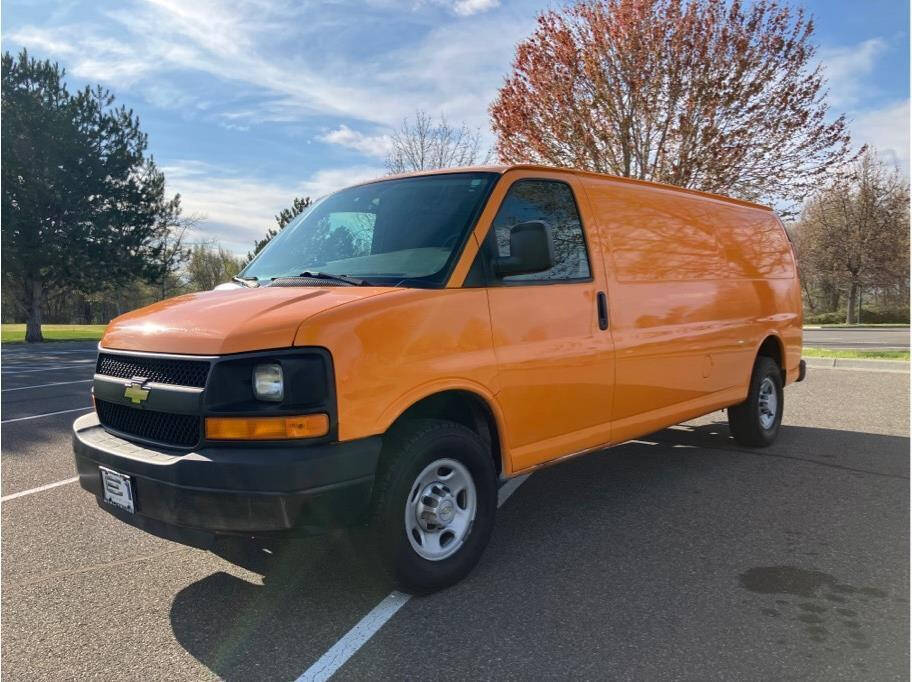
point(434, 503)
point(755, 422)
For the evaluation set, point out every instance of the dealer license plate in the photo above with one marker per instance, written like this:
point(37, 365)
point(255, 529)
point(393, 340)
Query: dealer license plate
point(117, 489)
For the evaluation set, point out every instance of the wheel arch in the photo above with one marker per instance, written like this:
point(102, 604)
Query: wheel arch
point(773, 348)
point(466, 406)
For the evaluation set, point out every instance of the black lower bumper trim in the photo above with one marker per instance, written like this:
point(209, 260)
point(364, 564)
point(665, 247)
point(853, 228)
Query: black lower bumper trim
point(229, 490)
point(193, 537)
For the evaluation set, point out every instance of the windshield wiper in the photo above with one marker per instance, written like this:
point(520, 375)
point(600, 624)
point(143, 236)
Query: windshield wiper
point(246, 281)
point(353, 281)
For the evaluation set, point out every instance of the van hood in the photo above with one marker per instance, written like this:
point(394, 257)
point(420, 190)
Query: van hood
point(229, 321)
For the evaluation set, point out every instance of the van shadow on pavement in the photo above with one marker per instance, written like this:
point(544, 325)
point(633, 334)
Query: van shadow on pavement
point(313, 590)
point(684, 524)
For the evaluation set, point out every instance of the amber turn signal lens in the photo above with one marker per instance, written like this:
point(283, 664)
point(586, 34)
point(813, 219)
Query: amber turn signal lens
point(267, 428)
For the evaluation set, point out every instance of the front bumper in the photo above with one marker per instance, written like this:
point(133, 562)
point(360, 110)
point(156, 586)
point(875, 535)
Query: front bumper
point(249, 490)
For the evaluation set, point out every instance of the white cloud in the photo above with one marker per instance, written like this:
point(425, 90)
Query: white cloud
point(238, 209)
point(446, 72)
point(467, 7)
point(331, 179)
point(463, 8)
point(370, 145)
point(231, 41)
point(241, 43)
point(51, 41)
point(847, 69)
point(887, 130)
point(89, 55)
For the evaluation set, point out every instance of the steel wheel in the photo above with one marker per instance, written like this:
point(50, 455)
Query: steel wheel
point(440, 509)
point(767, 403)
point(755, 422)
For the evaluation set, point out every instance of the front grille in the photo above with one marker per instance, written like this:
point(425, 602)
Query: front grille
point(159, 370)
point(182, 430)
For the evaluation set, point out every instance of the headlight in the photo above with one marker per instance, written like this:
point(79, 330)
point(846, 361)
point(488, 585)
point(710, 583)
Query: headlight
point(268, 382)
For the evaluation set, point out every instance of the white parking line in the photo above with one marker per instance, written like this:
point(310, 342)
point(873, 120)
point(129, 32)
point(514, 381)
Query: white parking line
point(59, 358)
point(345, 648)
point(46, 414)
point(33, 353)
point(56, 383)
point(509, 488)
point(336, 656)
point(15, 371)
point(33, 361)
point(38, 489)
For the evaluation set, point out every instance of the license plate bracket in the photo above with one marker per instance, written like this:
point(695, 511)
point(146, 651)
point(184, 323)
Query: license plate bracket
point(117, 489)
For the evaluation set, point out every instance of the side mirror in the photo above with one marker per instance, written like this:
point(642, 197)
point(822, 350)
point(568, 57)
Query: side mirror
point(531, 250)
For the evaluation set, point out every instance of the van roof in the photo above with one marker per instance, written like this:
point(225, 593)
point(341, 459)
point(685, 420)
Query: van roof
point(583, 173)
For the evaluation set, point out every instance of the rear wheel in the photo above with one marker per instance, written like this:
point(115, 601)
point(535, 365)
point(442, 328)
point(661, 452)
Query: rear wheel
point(755, 422)
point(434, 503)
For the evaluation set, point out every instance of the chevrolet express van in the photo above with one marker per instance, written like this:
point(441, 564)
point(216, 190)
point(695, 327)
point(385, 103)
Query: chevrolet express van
point(405, 345)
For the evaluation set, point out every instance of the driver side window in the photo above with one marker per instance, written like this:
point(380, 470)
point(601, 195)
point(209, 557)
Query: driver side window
point(552, 202)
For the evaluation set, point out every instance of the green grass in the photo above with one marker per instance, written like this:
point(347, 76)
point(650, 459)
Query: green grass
point(15, 333)
point(856, 354)
point(883, 325)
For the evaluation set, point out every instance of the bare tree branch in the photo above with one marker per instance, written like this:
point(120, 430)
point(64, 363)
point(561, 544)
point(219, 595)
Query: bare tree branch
point(426, 145)
point(855, 231)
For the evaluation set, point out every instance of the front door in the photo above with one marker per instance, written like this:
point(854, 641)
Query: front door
point(553, 348)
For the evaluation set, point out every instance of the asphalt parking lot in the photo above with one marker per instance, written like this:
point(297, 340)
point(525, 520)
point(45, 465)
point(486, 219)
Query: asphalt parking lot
point(680, 556)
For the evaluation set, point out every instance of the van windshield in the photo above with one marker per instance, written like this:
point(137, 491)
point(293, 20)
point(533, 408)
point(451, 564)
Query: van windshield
point(407, 231)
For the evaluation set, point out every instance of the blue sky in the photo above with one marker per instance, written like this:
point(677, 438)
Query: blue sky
point(248, 103)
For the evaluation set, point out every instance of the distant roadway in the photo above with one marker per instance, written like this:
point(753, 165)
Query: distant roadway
point(869, 338)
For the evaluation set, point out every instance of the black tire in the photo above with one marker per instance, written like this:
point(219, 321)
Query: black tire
point(407, 451)
point(744, 421)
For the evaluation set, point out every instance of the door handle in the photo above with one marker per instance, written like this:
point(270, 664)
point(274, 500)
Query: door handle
point(602, 302)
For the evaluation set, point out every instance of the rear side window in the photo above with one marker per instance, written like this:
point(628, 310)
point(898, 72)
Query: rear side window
point(550, 201)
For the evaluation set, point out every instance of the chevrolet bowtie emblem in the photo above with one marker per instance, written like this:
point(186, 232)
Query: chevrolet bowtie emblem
point(136, 393)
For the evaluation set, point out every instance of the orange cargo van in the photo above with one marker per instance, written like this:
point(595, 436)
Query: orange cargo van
point(406, 345)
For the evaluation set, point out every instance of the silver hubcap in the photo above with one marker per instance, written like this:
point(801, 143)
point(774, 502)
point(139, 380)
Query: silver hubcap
point(768, 404)
point(440, 509)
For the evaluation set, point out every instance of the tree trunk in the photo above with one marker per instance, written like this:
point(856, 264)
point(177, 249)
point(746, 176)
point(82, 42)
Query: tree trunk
point(808, 297)
point(831, 297)
point(33, 321)
point(852, 312)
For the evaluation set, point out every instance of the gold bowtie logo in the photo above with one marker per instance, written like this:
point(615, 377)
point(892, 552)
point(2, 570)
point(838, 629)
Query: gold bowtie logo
point(136, 393)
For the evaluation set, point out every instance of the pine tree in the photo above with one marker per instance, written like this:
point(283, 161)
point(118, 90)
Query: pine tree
point(285, 217)
point(83, 207)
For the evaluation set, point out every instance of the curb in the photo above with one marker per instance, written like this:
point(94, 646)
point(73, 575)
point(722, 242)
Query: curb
point(848, 363)
point(857, 327)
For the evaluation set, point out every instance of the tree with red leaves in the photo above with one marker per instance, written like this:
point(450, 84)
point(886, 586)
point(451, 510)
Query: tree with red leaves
point(706, 94)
